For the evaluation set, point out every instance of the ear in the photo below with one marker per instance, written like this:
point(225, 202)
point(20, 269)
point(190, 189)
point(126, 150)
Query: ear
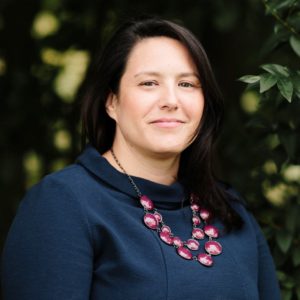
point(111, 105)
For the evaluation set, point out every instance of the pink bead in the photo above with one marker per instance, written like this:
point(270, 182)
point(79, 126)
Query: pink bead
point(192, 244)
point(196, 220)
point(205, 259)
point(184, 252)
point(213, 247)
point(165, 236)
point(150, 221)
point(195, 207)
point(198, 233)
point(204, 214)
point(166, 228)
point(211, 231)
point(177, 241)
point(158, 216)
point(146, 202)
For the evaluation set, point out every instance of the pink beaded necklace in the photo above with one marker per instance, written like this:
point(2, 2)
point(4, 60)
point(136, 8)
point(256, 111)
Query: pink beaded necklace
point(154, 221)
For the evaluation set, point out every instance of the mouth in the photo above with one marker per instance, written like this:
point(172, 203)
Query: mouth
point(167, 123)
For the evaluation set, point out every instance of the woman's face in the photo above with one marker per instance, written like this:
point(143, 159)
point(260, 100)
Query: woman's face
point(160, 100)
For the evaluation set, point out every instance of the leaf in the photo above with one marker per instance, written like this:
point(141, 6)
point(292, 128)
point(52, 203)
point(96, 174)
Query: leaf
point(249, 78)
point(284, 241)
point(295, 44)
point(283, 4)
point(276, 69)
point(285, 87)
point(296, 82)
point(267, 80)
point(274, 41)
point(274, 6)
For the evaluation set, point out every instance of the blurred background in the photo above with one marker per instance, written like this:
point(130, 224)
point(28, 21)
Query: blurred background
point(45, 50)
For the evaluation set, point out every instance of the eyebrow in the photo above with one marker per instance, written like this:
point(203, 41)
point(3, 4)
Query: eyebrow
point(151, 73)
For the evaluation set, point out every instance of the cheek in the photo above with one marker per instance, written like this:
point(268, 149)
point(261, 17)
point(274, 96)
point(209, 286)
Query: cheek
point(195, 109)
point(134, 106)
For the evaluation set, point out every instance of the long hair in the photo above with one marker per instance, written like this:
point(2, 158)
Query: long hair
point(195, 169)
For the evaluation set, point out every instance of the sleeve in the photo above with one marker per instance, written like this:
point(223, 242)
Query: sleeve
point(268, 285)
point(48, 252)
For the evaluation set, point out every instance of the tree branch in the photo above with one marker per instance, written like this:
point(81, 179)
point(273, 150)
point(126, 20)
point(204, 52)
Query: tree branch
point(279, 19)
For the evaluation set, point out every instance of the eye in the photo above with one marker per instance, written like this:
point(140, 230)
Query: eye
point(148, 83)
point(186, 84)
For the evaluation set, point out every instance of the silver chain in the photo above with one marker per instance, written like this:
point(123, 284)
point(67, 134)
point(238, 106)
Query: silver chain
point(129, 177)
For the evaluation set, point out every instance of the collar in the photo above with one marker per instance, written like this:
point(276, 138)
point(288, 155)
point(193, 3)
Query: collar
point(168, 195)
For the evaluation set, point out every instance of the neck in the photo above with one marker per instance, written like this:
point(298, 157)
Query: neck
point(157, 168)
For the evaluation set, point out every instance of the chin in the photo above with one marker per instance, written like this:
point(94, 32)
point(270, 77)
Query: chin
point(168, 145)
point(167, 150)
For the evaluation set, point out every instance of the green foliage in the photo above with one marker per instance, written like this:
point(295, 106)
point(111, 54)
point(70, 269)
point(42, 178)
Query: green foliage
point(277, 122)
point(295, 44)
point(285, 79)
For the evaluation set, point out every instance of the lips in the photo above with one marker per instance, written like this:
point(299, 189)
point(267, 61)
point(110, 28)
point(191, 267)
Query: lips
point(167, 122)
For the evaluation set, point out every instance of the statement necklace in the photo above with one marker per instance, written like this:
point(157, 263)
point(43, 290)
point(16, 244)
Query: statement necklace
point(154, 221)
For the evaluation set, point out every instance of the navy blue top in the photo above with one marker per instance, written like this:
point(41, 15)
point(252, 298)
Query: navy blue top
point(79, 234)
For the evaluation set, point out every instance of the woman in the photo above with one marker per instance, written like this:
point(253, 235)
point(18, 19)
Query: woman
point(140, 214)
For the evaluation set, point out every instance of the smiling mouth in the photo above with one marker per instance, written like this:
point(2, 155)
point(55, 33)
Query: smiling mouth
point(166, 123)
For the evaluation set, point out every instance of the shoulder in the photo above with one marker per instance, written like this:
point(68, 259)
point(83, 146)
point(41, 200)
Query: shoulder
point(65, 182)
point(72, 192)
point(52, 209)
point(70, 177)
point(56, 192)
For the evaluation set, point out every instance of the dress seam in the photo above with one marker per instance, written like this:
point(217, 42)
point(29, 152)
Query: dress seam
point(237, 269)
point(165, 264)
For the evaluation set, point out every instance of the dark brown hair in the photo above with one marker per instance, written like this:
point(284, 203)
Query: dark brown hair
point(195, 170)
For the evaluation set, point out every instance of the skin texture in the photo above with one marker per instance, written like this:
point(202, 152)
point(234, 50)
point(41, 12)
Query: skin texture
point(157, 109)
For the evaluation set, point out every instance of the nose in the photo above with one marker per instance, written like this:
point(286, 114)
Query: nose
point(168, 99)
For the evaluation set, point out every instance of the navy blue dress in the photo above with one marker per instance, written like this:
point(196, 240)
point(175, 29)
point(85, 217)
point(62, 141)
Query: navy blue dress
point(79, 235)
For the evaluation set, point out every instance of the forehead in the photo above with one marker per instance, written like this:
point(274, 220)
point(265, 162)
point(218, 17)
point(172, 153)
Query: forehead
point(160, 52)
